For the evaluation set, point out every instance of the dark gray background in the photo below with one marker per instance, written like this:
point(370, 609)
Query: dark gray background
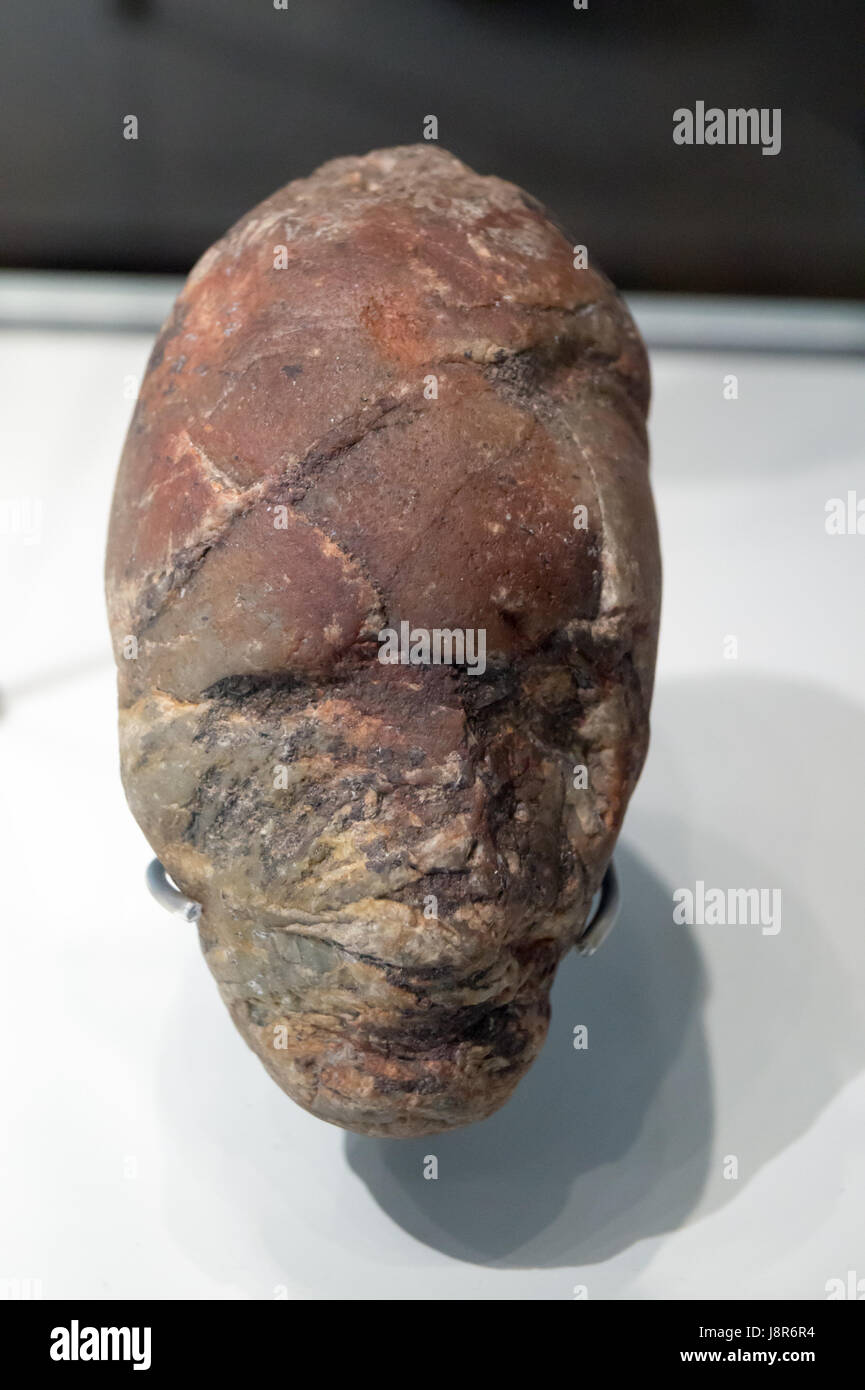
point(235, 98)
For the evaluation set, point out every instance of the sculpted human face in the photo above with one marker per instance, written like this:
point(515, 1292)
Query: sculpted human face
point(393, 841)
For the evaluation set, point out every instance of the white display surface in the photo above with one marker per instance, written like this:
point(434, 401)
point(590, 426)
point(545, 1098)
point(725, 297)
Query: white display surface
point(145, 1152)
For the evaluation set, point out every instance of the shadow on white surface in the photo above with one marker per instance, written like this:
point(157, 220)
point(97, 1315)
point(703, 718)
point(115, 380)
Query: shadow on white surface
point(765, 778)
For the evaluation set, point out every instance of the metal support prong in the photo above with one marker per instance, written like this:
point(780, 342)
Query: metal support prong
point(168, 895)
point(605, 915)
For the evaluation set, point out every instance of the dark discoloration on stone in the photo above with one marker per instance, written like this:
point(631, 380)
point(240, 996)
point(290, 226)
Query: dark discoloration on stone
point(287, 489)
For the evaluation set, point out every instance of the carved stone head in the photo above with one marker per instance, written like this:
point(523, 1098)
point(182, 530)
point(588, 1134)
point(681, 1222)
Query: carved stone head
point(383, 581)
